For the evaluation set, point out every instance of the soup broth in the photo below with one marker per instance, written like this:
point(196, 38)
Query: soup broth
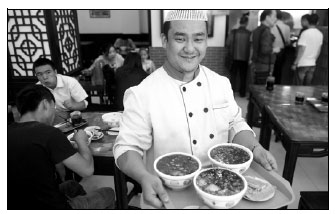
point(229, 155)
point(220, 182)
point(177, 165)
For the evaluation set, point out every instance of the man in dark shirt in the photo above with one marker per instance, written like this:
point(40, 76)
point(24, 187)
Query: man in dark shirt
point(263, 53)
point(238, 43)
point(34, 147)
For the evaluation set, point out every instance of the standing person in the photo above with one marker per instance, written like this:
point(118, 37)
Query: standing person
point(282, 32)
point(130, 74)
point(238, 44)
point(147, 64)
point(110, 58)
point(34, 147)
point(68, 92)
point(263, 56)
point(286, 73)
point(103, 69)
point(182, 106)
point(124, 45)
point(304, 23)
point(309, 47)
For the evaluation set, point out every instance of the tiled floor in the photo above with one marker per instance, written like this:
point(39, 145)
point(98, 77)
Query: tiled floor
point(311, 174)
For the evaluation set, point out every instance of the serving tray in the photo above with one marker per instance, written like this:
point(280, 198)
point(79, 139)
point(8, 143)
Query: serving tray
point(318, 104)
point(284, 195)
point(67, 126)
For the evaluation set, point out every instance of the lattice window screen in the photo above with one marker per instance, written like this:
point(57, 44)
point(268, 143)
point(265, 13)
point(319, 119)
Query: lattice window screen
point(27, 40)
point(67, 39)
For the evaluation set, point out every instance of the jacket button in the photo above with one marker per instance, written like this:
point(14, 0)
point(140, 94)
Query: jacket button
point(198, 83)
point(184, 89)
point(211, 136)
point(190, 114)
point(205, 110)
point(194, 142)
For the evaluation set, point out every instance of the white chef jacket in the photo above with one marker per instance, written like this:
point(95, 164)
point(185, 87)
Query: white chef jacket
point(66, 88)
point(163, 115)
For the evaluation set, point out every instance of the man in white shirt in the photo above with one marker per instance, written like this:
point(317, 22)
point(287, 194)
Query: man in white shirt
point(68, 92)
point(281, 31)
point(183, 107)
point(309, 47)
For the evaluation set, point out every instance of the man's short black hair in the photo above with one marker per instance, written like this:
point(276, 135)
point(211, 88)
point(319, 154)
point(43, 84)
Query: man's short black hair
point(43, 61)
point(313, 19)
point(28, 99)
point(265, 13)
point(166, 28)
point(244, 19)
point(305, 16)
point(279, 15)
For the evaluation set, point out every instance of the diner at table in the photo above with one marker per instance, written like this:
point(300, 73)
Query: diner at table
point(31, 176)
point(69, 94)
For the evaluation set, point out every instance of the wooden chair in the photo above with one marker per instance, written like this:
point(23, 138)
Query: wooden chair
point(310, 200)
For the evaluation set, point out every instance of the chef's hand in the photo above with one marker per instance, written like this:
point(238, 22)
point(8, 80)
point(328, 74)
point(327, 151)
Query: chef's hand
point(153, 191)
point(265, 158)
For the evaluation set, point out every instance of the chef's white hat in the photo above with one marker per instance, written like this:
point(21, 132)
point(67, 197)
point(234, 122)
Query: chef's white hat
point(191, 15)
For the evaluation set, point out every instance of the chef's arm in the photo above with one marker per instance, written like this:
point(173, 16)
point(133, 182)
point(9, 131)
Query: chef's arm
point(131, 163)
point(262, 156)
point(246, 138)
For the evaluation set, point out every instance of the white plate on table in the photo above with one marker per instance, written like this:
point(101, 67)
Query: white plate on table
point(266, 189)
point(96, 133)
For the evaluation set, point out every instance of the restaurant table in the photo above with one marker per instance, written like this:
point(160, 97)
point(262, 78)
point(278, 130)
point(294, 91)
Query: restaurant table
point(303, 132)
point(259, 96)
point(302, 129)
point(104, 163)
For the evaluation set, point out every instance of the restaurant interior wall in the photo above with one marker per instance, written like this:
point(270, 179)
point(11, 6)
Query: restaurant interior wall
point(120, 21)
point(97, 33)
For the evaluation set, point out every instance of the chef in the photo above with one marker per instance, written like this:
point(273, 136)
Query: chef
point(182, 106)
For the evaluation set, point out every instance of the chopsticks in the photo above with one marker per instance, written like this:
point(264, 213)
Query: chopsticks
point(99, 129)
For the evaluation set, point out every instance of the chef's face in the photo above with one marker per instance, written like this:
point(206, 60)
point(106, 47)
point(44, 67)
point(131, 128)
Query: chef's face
point(186, 44)
point(46, 75)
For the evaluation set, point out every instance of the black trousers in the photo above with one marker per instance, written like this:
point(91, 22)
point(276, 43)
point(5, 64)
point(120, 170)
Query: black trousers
point(239, 68)
point(278, 66)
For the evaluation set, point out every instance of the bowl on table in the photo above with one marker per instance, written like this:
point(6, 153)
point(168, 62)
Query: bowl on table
point(112, 119)
point(231, 156)
point(74, 144)
point(220, 188)
point(177, 169)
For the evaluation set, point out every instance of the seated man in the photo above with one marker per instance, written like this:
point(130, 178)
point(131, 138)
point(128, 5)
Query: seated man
point(34, 148)
point(68, 92)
